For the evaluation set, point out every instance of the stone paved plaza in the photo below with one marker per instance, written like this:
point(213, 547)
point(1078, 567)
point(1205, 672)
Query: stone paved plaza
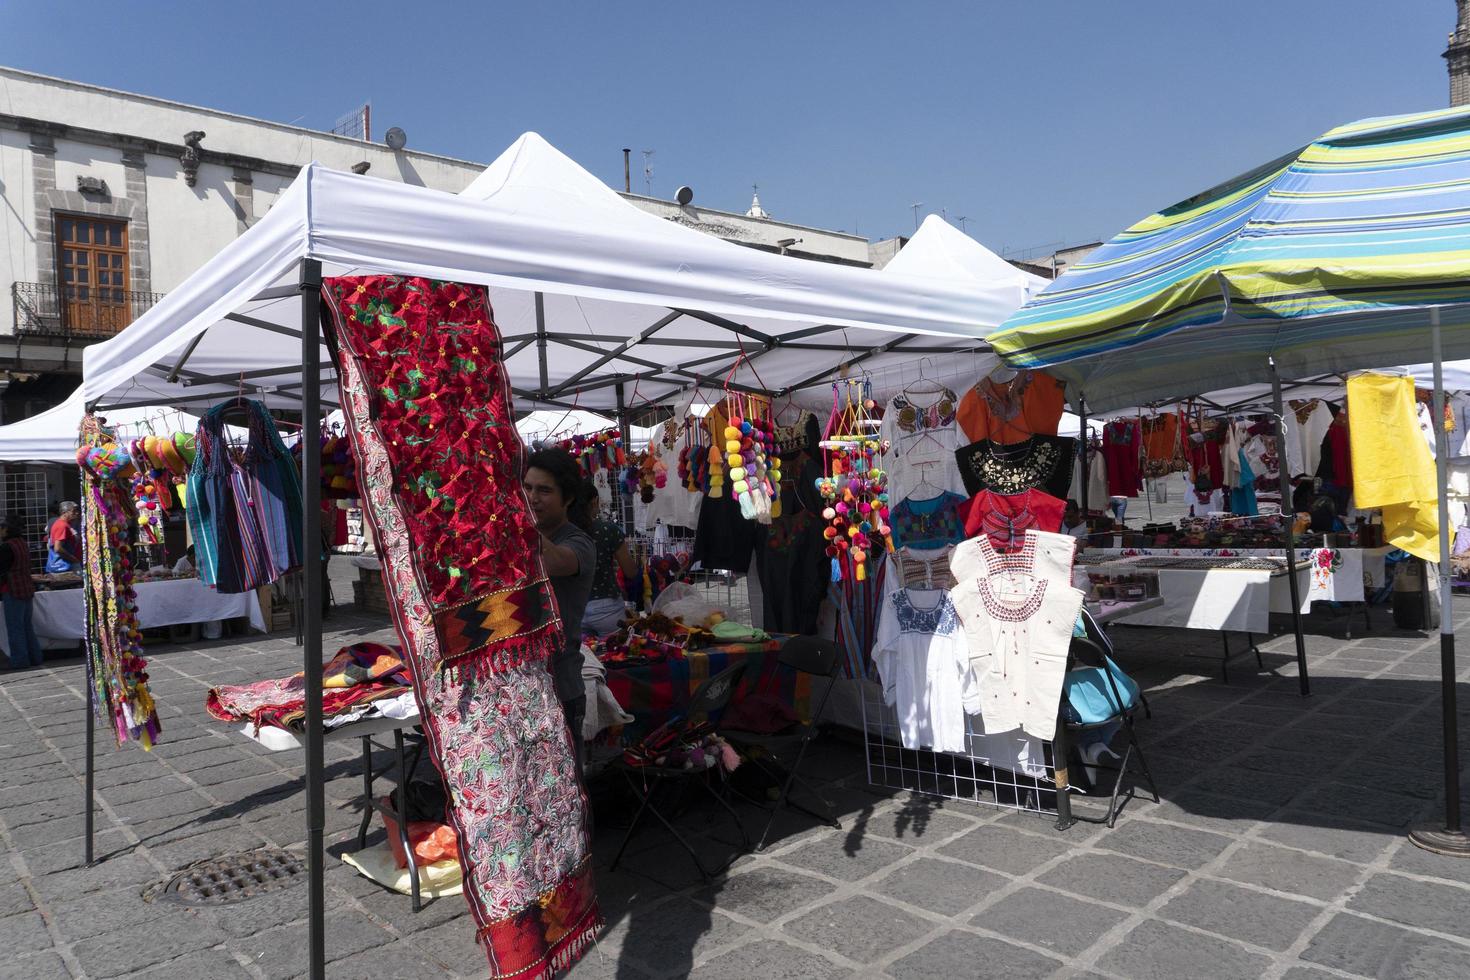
point(1279, 850)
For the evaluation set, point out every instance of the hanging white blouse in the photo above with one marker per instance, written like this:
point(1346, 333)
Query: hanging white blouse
point(1307, 428)
point(923, 660)
point(919, 568)
point(922, 437)
point(1042, 555)
point(1018, 642)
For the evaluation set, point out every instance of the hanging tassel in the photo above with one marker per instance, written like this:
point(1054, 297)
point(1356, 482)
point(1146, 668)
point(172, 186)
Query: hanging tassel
point(836, 571)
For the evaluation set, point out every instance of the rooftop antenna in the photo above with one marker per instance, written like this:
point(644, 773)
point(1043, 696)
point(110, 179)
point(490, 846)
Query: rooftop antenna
point(961, 219)
point(648, 171)
point(916, 205)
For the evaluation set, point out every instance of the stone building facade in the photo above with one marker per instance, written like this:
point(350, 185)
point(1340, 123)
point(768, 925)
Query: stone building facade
point(109, 199)
point(1458, 56)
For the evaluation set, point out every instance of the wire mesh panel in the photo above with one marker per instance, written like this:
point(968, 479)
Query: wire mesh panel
point(24, 499)
point(975, 776)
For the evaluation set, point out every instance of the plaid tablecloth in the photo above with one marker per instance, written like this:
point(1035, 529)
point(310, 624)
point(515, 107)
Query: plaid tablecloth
point(655, 692)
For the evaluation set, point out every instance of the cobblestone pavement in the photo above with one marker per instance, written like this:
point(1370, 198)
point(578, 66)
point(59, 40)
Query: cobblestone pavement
point(1278, 852)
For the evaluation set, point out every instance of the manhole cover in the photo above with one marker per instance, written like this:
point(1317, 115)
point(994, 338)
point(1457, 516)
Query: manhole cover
point(233, 878)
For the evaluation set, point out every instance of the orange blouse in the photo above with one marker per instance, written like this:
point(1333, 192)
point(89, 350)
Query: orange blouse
point(1007, 412)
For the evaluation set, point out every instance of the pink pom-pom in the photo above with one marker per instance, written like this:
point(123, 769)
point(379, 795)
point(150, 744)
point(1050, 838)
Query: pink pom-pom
point(729, 758)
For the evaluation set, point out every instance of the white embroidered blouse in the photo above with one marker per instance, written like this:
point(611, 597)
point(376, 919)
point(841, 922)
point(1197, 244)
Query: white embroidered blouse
point(923, 660)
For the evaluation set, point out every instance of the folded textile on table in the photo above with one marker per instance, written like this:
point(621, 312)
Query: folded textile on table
point(429, 415)
point(359, 674)
point(603, 710)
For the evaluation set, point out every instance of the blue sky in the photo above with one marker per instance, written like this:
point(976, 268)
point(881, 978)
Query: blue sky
point(1041, 121)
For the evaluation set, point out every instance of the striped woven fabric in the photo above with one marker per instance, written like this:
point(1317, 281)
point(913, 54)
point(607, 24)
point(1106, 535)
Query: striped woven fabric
point(1325, 259)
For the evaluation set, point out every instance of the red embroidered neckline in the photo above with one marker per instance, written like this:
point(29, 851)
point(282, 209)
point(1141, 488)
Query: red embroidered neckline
point(1006, 612)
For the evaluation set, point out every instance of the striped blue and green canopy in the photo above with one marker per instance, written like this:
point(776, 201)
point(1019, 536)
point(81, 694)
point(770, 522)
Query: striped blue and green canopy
point(1326, 260)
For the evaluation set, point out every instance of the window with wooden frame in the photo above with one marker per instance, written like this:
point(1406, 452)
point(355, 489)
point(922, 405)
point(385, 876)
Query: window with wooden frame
point(92, 273)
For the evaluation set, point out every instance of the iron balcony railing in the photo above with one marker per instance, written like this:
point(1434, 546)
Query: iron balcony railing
point(82, 313)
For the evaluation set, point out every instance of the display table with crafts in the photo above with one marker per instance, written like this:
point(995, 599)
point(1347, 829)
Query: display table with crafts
point(60, 615)
point(1323, 574)
point(1209, 593)
point(654, 691)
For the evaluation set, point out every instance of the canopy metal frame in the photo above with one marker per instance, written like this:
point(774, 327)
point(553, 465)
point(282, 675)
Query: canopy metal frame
point(307, 383)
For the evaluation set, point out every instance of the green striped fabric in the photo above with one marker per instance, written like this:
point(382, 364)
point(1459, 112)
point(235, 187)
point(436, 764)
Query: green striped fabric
point(1326, 260)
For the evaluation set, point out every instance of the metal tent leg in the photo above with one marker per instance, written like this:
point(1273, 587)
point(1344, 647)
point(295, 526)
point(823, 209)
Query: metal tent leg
point(1304, 683)
point(91, 762)
point(311, 609)
point(1448, 838)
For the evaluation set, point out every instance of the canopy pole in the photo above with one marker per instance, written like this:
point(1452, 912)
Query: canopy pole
point(624, 430)
point(1448, 839)
point(541, 341)
point(1283, 480)
point(1082, 440)
point(91, 761)
point(310, 287)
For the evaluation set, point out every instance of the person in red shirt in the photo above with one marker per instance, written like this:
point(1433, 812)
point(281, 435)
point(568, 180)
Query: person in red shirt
point(64, 544)
point(17, 594)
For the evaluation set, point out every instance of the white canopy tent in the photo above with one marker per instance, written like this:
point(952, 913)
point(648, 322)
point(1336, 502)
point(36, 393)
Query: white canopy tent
point(625, 299)
point(558, 423)
point(638, 308)
point(51, 436)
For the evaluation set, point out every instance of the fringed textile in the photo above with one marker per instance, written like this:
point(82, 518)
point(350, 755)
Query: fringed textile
point(116, 671)
point(439, 466)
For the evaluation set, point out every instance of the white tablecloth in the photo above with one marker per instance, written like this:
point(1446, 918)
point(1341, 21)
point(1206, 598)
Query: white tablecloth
point(1201, 599)
point(60, 616)
point(1323, 574)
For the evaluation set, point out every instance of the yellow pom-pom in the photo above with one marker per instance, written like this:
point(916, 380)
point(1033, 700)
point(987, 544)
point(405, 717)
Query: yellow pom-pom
point(734, 459)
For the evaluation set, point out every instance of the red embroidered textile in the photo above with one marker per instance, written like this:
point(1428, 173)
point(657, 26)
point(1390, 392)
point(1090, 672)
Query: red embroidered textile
point(1122, 446)
point(441, 402)
point(439, 467)
point(1007, 517)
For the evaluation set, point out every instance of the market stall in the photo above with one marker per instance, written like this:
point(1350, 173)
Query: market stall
point(1285, 273)
point(557, 251)
point(60, 616)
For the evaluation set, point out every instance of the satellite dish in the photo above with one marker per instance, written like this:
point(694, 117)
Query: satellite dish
point(396, 138)
point(684, 195)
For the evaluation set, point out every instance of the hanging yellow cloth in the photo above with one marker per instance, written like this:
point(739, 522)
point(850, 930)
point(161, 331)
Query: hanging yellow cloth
point(1392, 467)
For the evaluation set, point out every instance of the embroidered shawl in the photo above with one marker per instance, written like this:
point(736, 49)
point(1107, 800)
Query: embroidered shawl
point(439, 462)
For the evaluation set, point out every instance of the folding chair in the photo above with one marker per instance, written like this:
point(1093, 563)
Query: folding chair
point(1087, 663)
point(648, 782)
point(819, 658)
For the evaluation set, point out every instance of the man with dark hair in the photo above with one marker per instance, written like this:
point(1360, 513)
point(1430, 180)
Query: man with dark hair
point(558, 494)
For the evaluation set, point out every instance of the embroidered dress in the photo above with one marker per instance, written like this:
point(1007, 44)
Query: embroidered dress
point(1041, 555)
point(928, 523)
point(1122, 447)
point(1007, 517)
point(428, 411)
point(1038, 463)
point(922, 437)
point(920, 653)
point(921, 568)
point(1029, 404)
point(1019, 630)
point(1308, 427)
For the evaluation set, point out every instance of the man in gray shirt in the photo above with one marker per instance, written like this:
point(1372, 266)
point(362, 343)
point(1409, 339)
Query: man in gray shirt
point(558, 494)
